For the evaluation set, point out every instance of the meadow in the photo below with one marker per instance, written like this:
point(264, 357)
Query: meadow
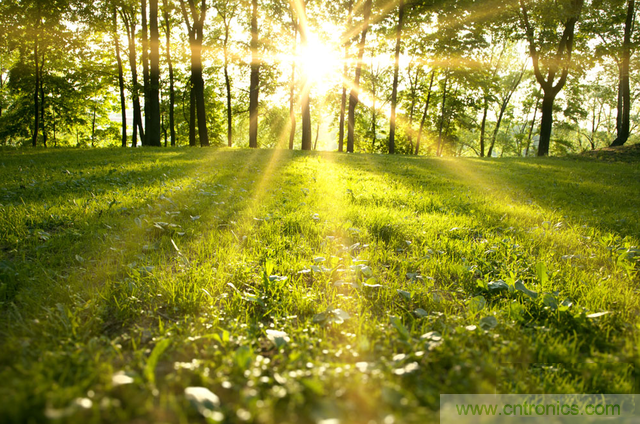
point(270, 286)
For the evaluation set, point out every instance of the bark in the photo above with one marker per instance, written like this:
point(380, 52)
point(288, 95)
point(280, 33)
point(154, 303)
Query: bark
point(192, 117)
point(343, 100)
point(227, 84)
point(254, 84)
point(42, 105)
point(394, 90)
point(292, 112)
point(195, 32)
point(36, 105)
point(548, 85)
point(93, 128)
point(503, 108)
point(533, 122)
point(305, 83)
point(424, 114)
point(145, 70)
point(353, 95)
point(625, 89)
point(153, 130)
point(442, 116)
point(315, 145)
point(135, 91)
point(123, 108)
point(172, 94)
point(483, 126)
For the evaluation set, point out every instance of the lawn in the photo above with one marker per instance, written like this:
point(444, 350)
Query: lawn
point(297, 287)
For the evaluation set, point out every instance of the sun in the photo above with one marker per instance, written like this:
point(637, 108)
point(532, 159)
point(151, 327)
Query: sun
point(319, 61)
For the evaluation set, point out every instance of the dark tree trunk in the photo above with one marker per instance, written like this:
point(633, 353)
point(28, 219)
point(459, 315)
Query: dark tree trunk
point(42, 105)
point(153, 130)
point(227, 84)
point(304, 82)
point(394, 91)
point(195, 32)
point(315, 144)
point(503, 108)
point(145, 71)
point(483, 126)
point(172, 94)
point(425, 113)
point(353, 95)
point(292, 87)
point(192, 117)
point(135, 90)
point(442, 116)
point(343, 99)
point(36, 105)
point(546, 124)
point(625, 90)
point(93, 128)
point(533, 122)
point(254, 83)
point(123, 107)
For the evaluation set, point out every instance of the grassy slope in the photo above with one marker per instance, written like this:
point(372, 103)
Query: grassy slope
point(157, 263)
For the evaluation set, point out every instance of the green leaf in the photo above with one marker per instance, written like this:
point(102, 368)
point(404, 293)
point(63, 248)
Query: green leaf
point(243, 357)
point(497, 285)
point(421, 312)
point(400, 328)
point(405, 294)
point(152, 361)
point(488, 323)
point(476, 304)
point(550, 300)
point(541, 273)
point(521, 288)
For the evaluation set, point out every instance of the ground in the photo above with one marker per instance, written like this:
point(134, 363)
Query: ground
point(296, 287)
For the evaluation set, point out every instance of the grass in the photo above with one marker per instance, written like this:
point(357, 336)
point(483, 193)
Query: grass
point(301, 287)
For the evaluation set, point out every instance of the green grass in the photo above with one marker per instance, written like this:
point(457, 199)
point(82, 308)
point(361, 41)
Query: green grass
point(128, 276)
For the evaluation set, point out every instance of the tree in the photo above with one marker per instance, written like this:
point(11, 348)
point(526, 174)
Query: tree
point(172, 96)
point(301, 13)
point(624, 111)
point(254, 84)
point(396, 69)
point(123, 108)
point(353, 95)
point(153, 130)
point(550, 15)
point(194, 21)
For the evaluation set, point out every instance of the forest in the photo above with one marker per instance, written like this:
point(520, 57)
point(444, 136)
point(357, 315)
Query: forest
point(319, 212)
point(457, 78)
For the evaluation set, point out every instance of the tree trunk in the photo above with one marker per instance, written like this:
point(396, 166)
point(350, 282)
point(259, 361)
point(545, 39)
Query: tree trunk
point(36, 105)
point(483, 126)
point(145, 70)
point(292, 112)
point(533, 122)
point(394, 91)
point(315, 145)
point(424, 114)
point(42, 105)
point(227, 84)
point(442, 116)
point(546, 124)
point(135, 90)
point(153, 130)
point(353, 95)
point(345, 70)
point(625, 89)
point(192, 117)
point(93, 128)
point(123, 107)
point(254, 84)
point(172, 95)
point(304, 82)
